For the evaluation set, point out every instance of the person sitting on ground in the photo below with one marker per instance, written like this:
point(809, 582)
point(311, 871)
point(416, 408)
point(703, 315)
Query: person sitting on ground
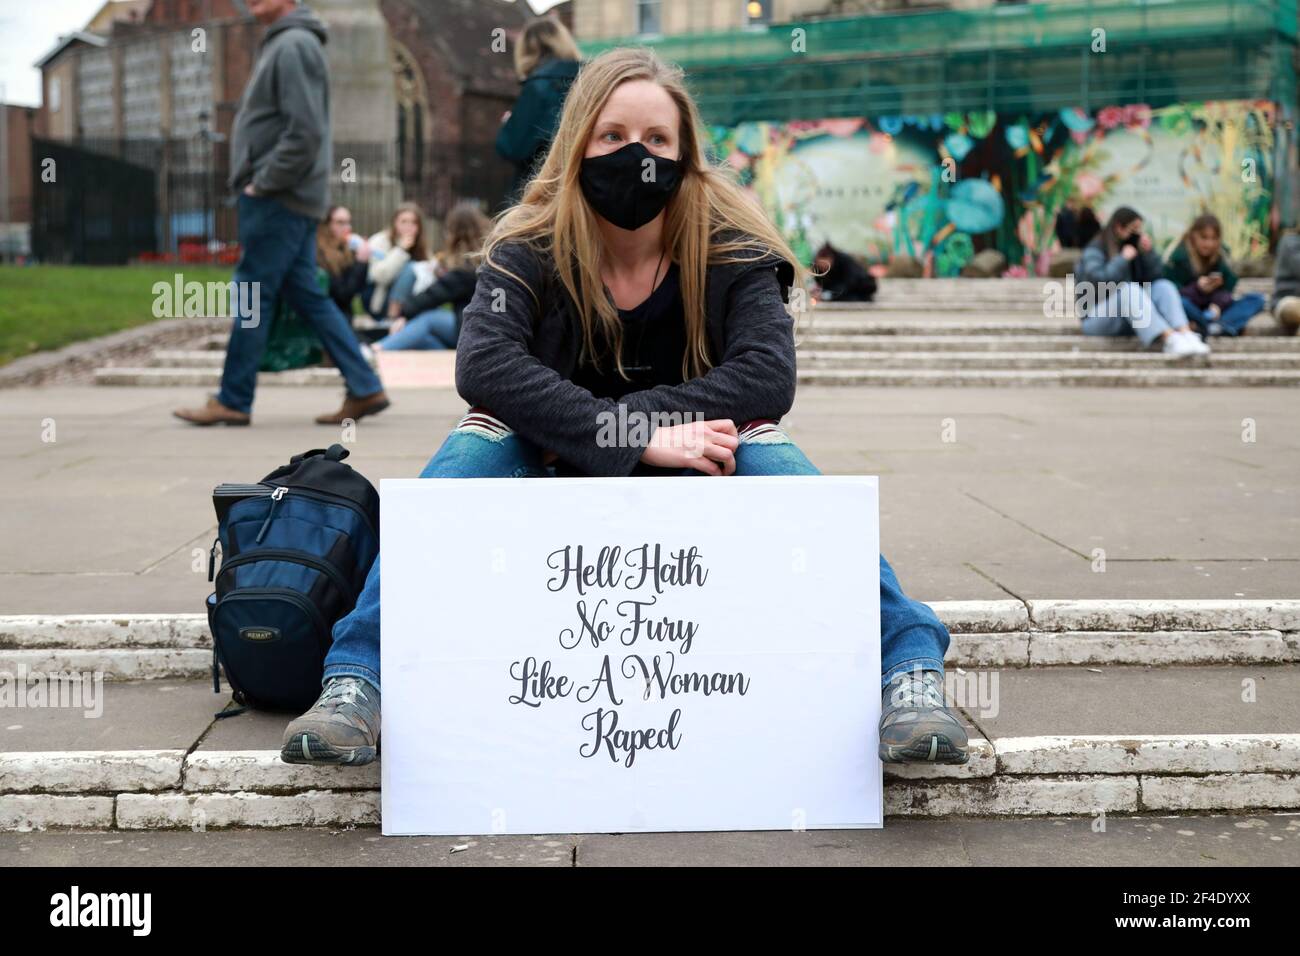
point(840, 278)
point(431, 319)
point(344, 256)
point(1121, 292)
point(605, 292)
point(1286, 283)
point(1199, 267)
point(394, 254)
point(546, 61)
point(1076, 224)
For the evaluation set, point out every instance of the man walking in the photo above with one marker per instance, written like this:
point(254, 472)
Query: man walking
point(280, 167)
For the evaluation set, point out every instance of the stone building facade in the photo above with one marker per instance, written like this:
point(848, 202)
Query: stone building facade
point(418, 89)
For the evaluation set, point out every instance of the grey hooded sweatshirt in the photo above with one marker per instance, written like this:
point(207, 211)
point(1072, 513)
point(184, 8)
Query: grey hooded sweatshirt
point(281, 136)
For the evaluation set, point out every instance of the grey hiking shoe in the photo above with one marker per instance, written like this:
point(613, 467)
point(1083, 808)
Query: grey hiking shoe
point(341, 727)
point(915, 726)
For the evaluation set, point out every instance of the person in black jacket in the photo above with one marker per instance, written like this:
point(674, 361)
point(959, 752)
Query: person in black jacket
point(546, 59)
point(431, 319)
point(344, 256)
point(630, 319)
point(1076, 224)
point(841, 278)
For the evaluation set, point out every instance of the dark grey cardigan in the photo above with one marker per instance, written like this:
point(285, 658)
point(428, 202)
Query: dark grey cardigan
point(516, 355)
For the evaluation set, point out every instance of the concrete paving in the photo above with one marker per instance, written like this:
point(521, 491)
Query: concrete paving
point(1144, 700)
point(1110, 700)
point(1257, 839)
point(1086, 493)
point(128, 715)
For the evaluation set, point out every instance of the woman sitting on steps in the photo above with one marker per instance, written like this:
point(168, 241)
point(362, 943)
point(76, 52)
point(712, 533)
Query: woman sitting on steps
point(633, 279)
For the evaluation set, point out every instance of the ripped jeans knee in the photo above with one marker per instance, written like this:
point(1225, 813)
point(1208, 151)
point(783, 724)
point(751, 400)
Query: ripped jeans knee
point(762, 431)
point(481, 422)
point(483, 446)
point(766, 449)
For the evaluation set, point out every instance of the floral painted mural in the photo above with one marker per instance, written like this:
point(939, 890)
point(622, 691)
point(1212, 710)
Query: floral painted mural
point(940, 187)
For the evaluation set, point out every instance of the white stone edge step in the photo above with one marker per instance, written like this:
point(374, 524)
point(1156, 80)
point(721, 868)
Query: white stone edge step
point(1006, 633)
point(1042, 776)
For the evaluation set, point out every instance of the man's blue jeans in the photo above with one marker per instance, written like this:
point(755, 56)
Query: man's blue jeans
point(1234, 317)
point(278, 252)
point(911, 635)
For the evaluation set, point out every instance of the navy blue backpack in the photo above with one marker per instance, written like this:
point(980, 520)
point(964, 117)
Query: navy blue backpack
point(295, 551)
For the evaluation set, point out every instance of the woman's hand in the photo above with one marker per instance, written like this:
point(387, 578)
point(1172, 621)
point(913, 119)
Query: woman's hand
point(396, 325)
point(1144, 242)
point(709, 447)
point(1129, 252)
point(1205, 284)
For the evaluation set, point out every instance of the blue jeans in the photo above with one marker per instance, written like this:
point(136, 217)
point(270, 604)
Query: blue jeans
point(435, 329)
point(1135, 309)
point(1234, 317)
point(278, 252)
point(911, 635)
point(400, 290)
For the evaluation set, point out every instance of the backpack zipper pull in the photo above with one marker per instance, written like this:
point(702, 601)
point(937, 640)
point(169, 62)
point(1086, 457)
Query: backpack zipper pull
point(212, 557)
point(275, 497)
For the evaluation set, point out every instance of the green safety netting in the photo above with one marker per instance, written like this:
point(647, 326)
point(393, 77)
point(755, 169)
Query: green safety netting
point(1023, 57)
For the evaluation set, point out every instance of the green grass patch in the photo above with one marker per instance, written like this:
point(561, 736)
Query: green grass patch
point(47, 307)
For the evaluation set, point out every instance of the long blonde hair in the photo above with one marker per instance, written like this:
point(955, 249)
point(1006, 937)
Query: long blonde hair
point(1201, 224)
point(543, 38)
point(709, 219)
point(464, 230)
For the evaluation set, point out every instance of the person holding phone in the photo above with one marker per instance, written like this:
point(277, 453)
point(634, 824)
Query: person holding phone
point(1121, 290)
point(634, 282)
point(1199, 267)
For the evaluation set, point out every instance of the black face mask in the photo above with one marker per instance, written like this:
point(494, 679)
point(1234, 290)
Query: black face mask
point(616, 186)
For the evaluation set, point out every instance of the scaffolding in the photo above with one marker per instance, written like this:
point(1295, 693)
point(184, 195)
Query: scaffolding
point(1028, 58)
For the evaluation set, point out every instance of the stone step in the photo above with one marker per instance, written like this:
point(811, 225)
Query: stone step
point(211, 377)
point(984, 633)
point(831, 359)
point(931, 321)
point(1077, 378)
point(157, 758)
point(1028, 287)
point(187, 358)
point(864, 342)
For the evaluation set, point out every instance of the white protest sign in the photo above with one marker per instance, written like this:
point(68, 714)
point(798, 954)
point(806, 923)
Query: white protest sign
point(587, 655)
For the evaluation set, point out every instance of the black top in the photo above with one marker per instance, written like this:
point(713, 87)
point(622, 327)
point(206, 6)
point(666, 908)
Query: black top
point(519, 363)
point(654, 343)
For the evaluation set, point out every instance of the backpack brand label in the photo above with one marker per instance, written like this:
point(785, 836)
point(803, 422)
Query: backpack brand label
point(259, 634)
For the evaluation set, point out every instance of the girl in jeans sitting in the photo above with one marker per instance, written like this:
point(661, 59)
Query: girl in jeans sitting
point(1200, 269)
point(1121, 291)
point(634, 274)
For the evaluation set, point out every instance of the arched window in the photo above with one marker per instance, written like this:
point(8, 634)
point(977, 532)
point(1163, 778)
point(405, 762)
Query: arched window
point(412, 104)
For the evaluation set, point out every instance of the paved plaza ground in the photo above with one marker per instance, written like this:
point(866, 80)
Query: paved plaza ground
point(107, 517)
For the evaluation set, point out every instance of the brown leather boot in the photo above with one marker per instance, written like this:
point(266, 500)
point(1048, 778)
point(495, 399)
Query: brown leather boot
point(356, 409)
point(213, 413)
